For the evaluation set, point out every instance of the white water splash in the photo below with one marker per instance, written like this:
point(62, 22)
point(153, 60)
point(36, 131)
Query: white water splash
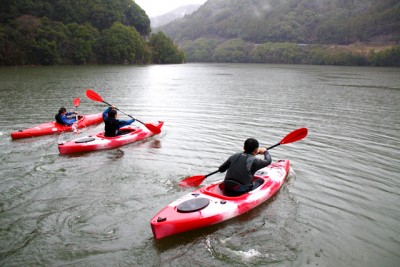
point(248, 254)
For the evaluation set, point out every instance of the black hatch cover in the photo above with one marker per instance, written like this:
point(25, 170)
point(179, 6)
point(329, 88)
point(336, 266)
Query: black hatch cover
point(193, 205)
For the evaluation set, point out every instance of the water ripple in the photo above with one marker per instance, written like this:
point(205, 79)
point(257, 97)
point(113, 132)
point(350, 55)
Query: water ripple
point(339, 206)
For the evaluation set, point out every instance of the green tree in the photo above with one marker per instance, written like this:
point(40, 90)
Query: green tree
point(49, 48)
point(12, 51)
point(322, 56)
point(276, 53)
point(234, 51)
point(200, 50)
point(389, 57)
point(19, 37)
point(136, 17)
point(81, 44)
point(164, 51)
point(123, 45)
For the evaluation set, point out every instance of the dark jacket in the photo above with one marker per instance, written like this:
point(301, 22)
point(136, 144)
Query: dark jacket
point(112, 125)
point(241, 168)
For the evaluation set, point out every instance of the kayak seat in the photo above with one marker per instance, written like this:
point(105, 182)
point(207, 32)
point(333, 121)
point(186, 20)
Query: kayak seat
point(233, 188)
point(231, 184)
point(122, 132)
point(216, 190)
point(256, 183)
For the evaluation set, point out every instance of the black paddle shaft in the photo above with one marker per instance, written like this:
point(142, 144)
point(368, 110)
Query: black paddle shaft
point(273, 146)
point(211, 173)
point(121, 111)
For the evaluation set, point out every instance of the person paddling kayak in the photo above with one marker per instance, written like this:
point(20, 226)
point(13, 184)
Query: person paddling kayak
point(241, 168)
point(62, 117)
point(112, 124)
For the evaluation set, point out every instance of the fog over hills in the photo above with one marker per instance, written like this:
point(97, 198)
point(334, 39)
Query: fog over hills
point(330, 32)
point(301, 21)
point(178, 13)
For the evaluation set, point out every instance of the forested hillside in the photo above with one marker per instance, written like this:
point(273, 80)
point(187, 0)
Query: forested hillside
point(99, 14)
point(300, 21)
point(47, 32)
point(289, 31)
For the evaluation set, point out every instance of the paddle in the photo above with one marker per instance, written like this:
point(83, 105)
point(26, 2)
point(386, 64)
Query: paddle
point(294, 136)
point(77, 101)
point(96, 97)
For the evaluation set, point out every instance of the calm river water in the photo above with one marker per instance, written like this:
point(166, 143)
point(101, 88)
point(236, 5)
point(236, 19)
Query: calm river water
point(339, 206)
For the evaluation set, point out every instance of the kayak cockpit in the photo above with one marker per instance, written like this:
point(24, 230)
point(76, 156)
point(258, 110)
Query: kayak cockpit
point(123, 131)
point(216, 190)
point(80, 118)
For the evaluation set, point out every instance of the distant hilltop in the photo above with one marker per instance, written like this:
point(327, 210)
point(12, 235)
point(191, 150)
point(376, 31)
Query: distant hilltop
point(178, 13)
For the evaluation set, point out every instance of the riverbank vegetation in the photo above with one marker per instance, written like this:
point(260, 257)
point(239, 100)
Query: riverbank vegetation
point(238, 51)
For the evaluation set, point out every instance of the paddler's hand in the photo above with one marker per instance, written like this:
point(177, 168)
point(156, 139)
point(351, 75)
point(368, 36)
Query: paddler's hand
point(261, 150)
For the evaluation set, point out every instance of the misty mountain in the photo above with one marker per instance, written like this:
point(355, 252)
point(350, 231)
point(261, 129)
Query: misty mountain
point(178, 13)
point(295, 21)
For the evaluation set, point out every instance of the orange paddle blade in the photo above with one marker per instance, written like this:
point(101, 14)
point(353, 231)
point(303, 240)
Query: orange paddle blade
point(152, 128)
point(192, 181)
point(77, 101)
point(94, 96)
point(195, 180)
point(294, 136)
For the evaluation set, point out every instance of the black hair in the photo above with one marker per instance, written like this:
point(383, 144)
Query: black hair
point(62, 110)
point(112, 113)
point(250, 145)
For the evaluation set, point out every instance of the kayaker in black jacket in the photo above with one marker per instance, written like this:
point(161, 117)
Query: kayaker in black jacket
point(241, 168)
point(112, 124)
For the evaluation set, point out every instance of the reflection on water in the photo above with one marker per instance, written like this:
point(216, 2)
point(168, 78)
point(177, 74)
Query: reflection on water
point(339, 206)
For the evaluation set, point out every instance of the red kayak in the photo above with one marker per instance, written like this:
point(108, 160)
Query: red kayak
point(54, 127)
point(208, 205)
point(99, 141)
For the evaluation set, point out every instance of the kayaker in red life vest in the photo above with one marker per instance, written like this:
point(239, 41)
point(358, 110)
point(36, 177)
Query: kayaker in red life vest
point(62, 117)
point(112, 124)
point(241, 168)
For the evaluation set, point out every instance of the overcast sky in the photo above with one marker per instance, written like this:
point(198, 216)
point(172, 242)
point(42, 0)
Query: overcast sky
point(158, 7)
